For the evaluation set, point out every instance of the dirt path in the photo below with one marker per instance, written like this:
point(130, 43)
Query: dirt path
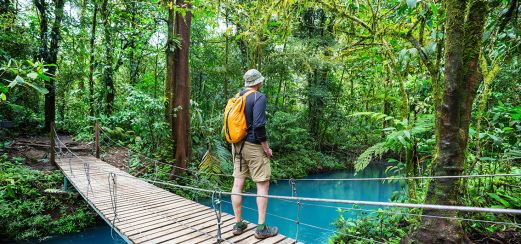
point(34, 151)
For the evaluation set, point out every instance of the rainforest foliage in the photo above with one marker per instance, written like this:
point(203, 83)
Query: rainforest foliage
point(433, 87)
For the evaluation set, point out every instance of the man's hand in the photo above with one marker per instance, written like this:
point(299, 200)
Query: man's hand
point(267, 149)
point(268, 152)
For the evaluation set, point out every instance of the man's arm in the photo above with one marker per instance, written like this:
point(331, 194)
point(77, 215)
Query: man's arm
point(259, 122)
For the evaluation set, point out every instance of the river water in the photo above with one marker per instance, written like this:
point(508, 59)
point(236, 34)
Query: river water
point(319, 216)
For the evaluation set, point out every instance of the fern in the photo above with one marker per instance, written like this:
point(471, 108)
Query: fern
point(377, 116)
point(396, 139)
point(365, 158)
point(213, 158)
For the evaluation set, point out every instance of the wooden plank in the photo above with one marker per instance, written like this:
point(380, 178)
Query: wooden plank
point(169, 228)
point(247, 234)
point(167, 213)
point(134, 203)
point(203, 229)
point(211, 232)
point(182, 206)
point(160, 236)
point(104, 203)
point(160, 218)
point(274, 239)
point(159, 215)
point(159, 223)
point(227, 233)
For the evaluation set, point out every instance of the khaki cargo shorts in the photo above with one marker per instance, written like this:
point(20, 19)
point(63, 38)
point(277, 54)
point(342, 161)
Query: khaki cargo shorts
point(255, 163)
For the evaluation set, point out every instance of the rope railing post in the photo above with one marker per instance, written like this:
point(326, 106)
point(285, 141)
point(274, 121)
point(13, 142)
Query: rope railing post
point(216, 203)
point(96, 139)
point(293, 184)
point(52, 134)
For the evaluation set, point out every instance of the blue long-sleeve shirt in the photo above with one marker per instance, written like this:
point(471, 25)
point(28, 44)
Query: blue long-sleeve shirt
point(255, 112)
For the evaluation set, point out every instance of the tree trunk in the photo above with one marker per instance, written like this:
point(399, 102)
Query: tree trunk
point(462, 77)
point(226, 54)
point(181, 86)
point(132, 60)
point(91, 61)
point(169, 82)
point(49, 54)
point(108, 71)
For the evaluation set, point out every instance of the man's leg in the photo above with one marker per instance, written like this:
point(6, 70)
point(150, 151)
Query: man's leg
point(262, 202)
point(238, 184)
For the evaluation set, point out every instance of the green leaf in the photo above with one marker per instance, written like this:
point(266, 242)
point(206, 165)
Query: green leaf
point(411, 3)
point(499, 199)
point(44, 77)
point(3, 97)
point(32, 75)
point(16, 82)
point(38, 88)
point(487, 159)
point(402, 140)
point(407, 134)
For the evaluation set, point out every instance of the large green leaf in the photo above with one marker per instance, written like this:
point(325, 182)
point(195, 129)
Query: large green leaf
point(499, 199)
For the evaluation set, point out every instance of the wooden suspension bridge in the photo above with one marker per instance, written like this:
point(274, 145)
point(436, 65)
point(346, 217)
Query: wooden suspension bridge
point(143, 213)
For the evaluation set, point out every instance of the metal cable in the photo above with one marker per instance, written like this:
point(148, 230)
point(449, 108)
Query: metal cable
point(416, 215)
point(293, 185)
point(337, 179)
point(368, 203)
point(113, 201)
point(216, 204)
point(304, 224)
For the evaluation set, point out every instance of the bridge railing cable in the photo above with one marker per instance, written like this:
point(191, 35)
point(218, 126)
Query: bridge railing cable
point(406, 205)
point(413, 214)
point(394, 178)
point(305, 201)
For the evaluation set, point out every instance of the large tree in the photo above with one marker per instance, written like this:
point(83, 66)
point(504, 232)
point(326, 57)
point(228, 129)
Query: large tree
point(178, 81)
point(462, 78)
point(91, 58)
point(108, 68)
point(48, 52)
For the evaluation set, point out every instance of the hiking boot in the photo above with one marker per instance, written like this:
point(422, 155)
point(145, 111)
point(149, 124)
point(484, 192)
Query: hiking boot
point(264, 231)
point(239, 228)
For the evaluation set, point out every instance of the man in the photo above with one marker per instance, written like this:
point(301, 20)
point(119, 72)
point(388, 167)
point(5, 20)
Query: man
point(252, 157)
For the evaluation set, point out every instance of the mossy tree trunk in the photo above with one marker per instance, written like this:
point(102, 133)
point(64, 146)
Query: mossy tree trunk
point(462, 78)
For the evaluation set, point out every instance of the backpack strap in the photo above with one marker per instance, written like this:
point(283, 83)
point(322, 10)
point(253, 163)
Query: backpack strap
point(248, 93)
point(244, 141)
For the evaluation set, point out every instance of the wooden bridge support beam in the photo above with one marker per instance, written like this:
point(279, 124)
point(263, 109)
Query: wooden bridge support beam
point(65, 184)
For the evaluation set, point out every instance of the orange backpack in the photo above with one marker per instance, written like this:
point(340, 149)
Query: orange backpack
point(235, 127)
